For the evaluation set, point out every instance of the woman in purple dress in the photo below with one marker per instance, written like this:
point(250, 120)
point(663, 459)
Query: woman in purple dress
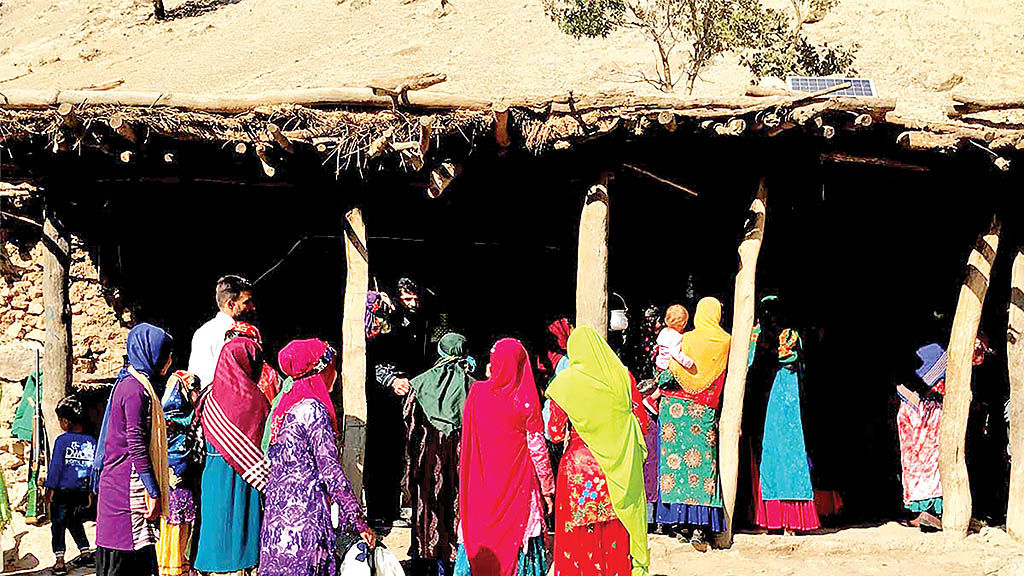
point(306, 479)
point(131, 460)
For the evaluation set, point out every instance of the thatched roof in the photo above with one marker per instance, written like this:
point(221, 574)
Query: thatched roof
point(495, 57)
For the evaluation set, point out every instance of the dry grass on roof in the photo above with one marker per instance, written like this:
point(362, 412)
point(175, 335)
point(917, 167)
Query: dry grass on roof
point(344, 136)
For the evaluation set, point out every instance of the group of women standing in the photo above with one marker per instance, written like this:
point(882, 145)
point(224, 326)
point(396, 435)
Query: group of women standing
point(251, 461)
point(683, 485)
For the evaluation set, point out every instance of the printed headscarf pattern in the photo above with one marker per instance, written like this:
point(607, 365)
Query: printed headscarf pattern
point(707, 344)
point(269, 381)
point(310, 367)
point(560, 329)
point(147, 349)
point(182, 446)
point(377, 318)
point(648, 354)
point(441, 391)
point(596, 392)
point(496, 475)
point(235, 410)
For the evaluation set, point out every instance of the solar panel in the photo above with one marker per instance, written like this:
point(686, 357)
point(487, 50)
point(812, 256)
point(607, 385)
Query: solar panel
point(860, 87)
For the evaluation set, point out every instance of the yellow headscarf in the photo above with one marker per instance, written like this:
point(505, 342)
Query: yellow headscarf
point(596, 392)
point(707, 344)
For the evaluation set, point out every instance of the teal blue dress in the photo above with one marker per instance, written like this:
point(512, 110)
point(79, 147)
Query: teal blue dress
point(231, 514)
point(785, 471)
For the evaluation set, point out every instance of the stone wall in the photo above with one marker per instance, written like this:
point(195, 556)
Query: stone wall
point(98, 327)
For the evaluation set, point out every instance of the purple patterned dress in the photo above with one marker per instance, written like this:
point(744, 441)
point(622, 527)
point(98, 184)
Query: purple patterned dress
point(305, 477)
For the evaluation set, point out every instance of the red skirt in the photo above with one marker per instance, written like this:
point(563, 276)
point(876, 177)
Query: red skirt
point(796, 515)
point(600, 549)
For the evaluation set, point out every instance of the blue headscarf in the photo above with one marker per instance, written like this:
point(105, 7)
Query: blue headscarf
point(933, 364)
point(148, 348)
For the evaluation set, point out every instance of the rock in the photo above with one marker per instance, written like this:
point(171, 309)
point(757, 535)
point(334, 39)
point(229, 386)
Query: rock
point(37, 335)
point(20, 302)
point(13, 331)
point(9, 460)
point(17, 361)
point(35, 307)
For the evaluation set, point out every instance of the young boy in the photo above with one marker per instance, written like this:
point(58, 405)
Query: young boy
point(67, 481)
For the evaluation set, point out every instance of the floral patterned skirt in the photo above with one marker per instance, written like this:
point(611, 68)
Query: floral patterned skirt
point(688, 463)
point(596, 550)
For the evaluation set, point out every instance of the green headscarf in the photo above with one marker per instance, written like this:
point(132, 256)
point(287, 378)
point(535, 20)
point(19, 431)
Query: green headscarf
point(596, 392)
point(441, 391)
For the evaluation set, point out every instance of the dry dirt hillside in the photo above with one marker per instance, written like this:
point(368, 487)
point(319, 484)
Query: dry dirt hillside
point(915, 49)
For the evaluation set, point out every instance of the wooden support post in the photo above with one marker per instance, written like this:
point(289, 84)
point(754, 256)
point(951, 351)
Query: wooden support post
point(1015, 359)
point(956, 493)
point(592, 260)
point(57, 316)
point(739, 350)
point(353, 355)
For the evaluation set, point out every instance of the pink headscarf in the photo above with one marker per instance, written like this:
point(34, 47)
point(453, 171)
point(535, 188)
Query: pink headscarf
point(311, 363)
point(496, 474)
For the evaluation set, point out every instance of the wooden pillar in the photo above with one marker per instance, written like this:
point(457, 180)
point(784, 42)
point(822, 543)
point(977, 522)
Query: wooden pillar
point(956, 493)
point(739, 350)
point(56, 366)
point(1015, 359)
point(353, 355)
point(592, 260)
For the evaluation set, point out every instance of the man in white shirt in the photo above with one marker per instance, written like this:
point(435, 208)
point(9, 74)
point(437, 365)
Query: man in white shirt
point(234, 302)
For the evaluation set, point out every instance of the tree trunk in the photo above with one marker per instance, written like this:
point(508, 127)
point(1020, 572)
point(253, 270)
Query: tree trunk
point(739, 350)
point(1015, 358)
point(956, 493)
point(56, 380)
point(592, 261)
point(353, 371)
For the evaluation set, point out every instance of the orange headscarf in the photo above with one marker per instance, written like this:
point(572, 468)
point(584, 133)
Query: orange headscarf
point(707, 344)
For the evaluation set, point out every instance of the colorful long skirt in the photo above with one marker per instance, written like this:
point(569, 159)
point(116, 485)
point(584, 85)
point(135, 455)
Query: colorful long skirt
point(172, 550)
point(690, 493)
point(231, 514)
point(918, 428)
point(533, 559)
point(784, 497)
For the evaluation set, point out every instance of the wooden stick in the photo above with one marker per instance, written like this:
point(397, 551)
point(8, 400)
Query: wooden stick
point(118, 124)
point(739, 350)
point(426, 132)
point(841, 158)
point(353, 351)
point(501, 128)
point(57, 346)
point(1015, 361)
point(956, 493)
point(126, 156)
point(965, 104)
point(262, 151)
point(919, 140)
point(592, 260)
point(275, 132)
point(309, 97)
point(667, 119)
point(67, 114)
point(240, 149)
point(653, 176)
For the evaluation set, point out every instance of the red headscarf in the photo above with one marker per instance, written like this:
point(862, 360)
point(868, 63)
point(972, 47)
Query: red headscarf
point(311, 363)
point(561, 329)
point(235, 411)
point(496, 474)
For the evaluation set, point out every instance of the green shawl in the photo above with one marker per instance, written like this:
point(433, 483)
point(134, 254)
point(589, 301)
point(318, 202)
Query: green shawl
point(441, 391)
point(596, 392)
point(25, 414)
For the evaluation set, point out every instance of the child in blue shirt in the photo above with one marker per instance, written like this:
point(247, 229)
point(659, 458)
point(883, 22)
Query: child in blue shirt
point(67, 481)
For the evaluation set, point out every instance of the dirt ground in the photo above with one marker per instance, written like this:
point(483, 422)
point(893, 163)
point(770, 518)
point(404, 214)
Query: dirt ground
point(884, 550)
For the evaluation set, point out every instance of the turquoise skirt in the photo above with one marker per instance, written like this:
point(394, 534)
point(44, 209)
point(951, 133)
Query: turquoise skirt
point(231, 514)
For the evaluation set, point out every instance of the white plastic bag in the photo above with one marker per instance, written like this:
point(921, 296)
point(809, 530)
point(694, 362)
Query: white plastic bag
point(356, 560)
point(385, 563)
